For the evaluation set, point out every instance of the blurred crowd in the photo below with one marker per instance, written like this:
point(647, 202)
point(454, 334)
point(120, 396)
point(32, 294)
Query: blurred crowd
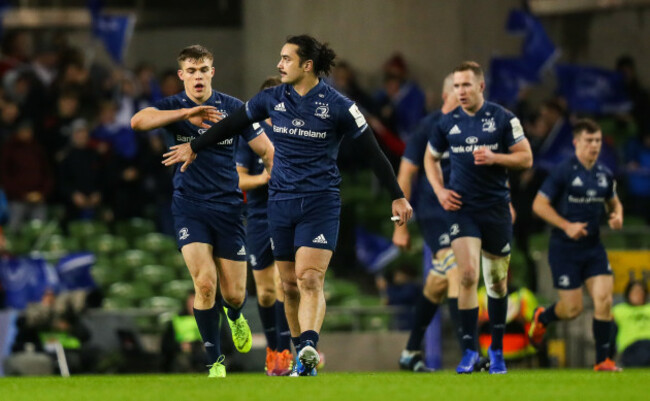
point(65, 136)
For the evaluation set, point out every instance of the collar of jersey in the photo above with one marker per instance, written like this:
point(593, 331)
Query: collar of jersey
point(485, 102)
point(189, 99)
point(311, 92)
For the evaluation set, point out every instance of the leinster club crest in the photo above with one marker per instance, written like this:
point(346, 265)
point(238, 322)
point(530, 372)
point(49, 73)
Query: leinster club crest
point(489, 125)
point(183, 233)
point(322, 111)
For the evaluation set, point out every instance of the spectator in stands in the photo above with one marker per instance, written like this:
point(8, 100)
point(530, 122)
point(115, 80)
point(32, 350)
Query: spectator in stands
point(57, 126)
point(635, 91)
point(148, 87)
point(16, 50)
point(26, 177)
point(637, 158)
point(9, 118)
point(632, 319)
point(170, 84)
point(401, 102)
point(81, 175)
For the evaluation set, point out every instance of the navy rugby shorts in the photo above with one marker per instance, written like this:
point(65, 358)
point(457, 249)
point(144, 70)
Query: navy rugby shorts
point(258, 243)
point(311, 221)
point(493, 225)
point(222, 228)
point(573, 263)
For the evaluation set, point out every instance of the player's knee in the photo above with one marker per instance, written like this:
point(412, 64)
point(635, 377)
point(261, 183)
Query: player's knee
point(574, 310)
point(290, 289)
point(603, 302)
point(205, 288)
point(495, 276)
point(265, 296)
point(468, 278)
point(311, 280)
point(435, 290)
point(235, 300)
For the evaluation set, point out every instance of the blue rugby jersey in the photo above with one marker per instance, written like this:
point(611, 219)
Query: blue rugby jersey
point(459, 133)
point(306, 132)
point(245, 157)
point(423, 199)
point(579, 195)
point(212, 176)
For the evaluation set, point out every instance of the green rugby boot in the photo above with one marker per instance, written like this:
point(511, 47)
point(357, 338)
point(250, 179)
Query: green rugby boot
point(241, 333)
point(218, 369)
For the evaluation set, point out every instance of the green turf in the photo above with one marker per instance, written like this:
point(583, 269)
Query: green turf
point(554, 385)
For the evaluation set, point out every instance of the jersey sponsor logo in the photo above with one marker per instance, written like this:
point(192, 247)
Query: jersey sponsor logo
point(577, 182)
point(471, 140)
point(322, 111)
point(454, 229)
point(471, 148)
point(564, 281)
point(241, 251)
point(517, 129)
point(300, 132)
point(183, 233)
point(253, 260)
point(319, 240)
point(202, 131)
point(489, 125)
point(454, 130)
point(298, 122)
point(506, 248)
point(226, 142)
point(586, 199)
point(591, 192)
point(444, 239)
point(280, 107)
point(358, 117)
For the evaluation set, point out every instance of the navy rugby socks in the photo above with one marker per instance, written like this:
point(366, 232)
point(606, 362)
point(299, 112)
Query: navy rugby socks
point(469, 325)
point(208, 322)
point(267, 316)
point(548, 316)
point(424, 312)
point(455, 319)
point(309, 337)
point(602, 334)
point(296, 344)
point(282, 328)
point(497, 310)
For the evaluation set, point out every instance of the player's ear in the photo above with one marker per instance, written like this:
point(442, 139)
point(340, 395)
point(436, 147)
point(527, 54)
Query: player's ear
point(180, 74)
point(212, 71)
point(308, 66)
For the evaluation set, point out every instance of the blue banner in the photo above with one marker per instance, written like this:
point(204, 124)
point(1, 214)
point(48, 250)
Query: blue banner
point(374, 251)
point(74, 271)
point(25, 280)
point(113, 30)
point(538, 51)
point(592, 90)
point(507, 77)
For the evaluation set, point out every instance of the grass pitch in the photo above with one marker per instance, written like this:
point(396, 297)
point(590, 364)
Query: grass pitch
point(553, 385)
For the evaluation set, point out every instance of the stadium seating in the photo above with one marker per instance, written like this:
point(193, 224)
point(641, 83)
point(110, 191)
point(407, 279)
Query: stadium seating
point(155, 243)
point(155, 275)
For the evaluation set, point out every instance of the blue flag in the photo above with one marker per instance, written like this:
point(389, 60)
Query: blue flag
point(374, 251)
point(74, 271)
point(506, 78)
point(25, 280)
point(592, 90)
point(538, 51)
point(115, 32)
point(4, 5)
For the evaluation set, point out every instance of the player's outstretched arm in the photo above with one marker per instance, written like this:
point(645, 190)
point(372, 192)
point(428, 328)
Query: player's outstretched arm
point(367, 145)
point(543, 208)
point(407, 170)
point(449, 200)
point(152, 118)
point(227, 128)
point(519, 158)
point(615, 208)
point(263, 147)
